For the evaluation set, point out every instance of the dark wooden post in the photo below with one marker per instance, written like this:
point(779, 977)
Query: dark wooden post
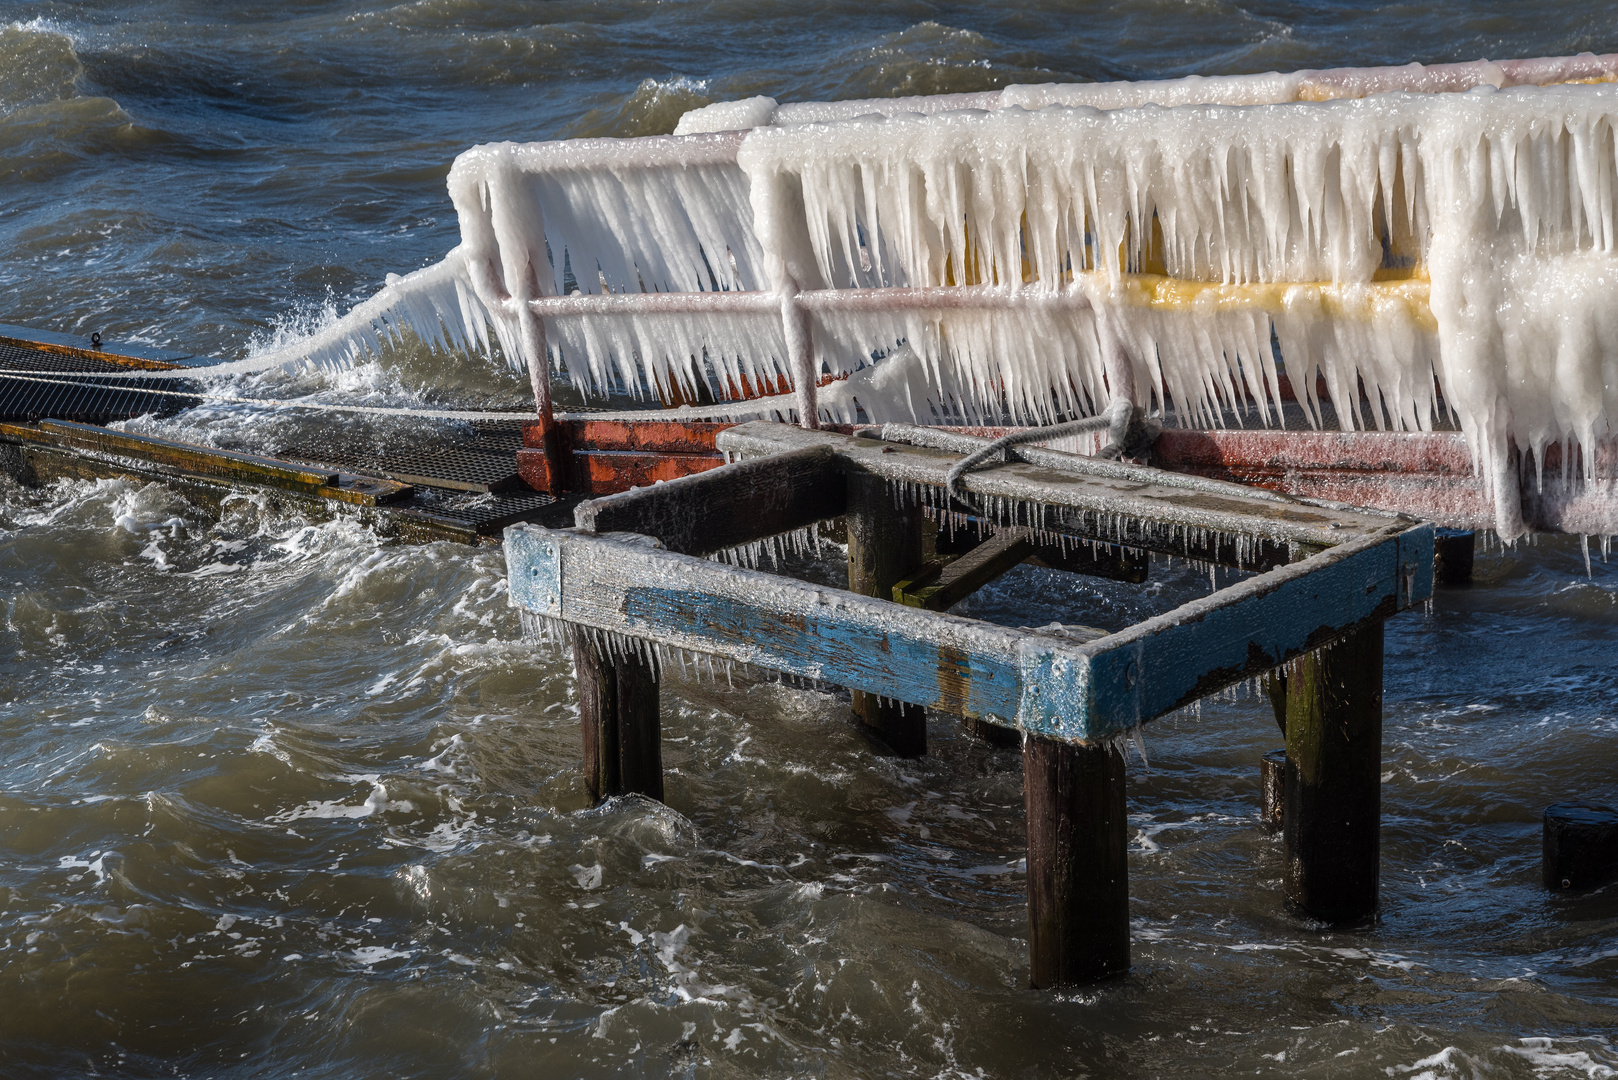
point(623, 737)
point(1272, 779)
point(1332, 817)
point(884, 546)
point(1454, 551)
point(1580, 845)
point(1078, 862)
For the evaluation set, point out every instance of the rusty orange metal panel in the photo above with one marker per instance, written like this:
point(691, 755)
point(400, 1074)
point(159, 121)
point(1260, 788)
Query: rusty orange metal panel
point(606, 472)
point(666, 436)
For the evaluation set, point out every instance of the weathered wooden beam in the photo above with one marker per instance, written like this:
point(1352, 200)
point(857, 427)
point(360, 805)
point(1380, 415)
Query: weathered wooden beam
point(938, 586)
point(206, 460)
point(106, 452)
point(618, 714)
point(1245, 629)
point(1078, 862)
point(729, 506)
point(1022, 679)
point(884, 545)
point(1332, 819)
point(1221, 525)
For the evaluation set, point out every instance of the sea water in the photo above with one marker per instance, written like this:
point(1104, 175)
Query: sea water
point(281, 799)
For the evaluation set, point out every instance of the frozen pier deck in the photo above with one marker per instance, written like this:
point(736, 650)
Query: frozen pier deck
point(629, 583)
point(461, 486)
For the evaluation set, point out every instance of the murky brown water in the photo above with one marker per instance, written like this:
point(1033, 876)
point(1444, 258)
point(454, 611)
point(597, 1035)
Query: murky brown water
point(280, 800)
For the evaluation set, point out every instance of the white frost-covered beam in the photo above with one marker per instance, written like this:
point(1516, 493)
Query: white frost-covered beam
point(1269, 88)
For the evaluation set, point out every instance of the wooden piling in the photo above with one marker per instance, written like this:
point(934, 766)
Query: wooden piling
point(1581, 845)
point(1272, 779)
point(618, 711)
point(884, 546)
point(1332, 814)
point(1078, 865)
point(1454, 551)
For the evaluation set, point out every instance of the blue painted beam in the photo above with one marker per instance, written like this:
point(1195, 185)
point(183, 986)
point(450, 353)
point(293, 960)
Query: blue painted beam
point(625, 584)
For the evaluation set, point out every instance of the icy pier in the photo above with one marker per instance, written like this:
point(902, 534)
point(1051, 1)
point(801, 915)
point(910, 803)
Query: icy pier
point(630, 590)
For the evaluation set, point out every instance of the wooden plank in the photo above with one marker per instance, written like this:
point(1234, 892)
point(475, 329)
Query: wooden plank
point(1015, 678)
point(947, 584)
point(618, 583)
point(1248, 628)
point(1224, 526)
point(729, 506)
point(206, 460)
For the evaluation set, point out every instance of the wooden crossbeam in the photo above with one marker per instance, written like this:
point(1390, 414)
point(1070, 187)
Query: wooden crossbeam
point(723, 508)
point(1014, 678)
point(206, 462)
point(941, 585)
point(1137, 507)
point(195, 458)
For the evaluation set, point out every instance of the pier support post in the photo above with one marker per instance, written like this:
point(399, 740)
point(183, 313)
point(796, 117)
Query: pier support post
point(1272, 781)
point(1332, 816)
point(1454, 551)
point(1078, 864)
point(1580, 845)
point(884, 546)
point(618, 711)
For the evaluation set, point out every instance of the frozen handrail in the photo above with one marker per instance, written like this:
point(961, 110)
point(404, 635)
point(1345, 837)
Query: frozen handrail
point(1269, 88)
point(970, 265)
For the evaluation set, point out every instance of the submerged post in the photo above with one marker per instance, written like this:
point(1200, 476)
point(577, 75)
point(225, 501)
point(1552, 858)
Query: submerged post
point(1078, 862)
point(1273, 788)
point(1454, 552)
point(623, 737)
point(884, 546)
point(1332, 816)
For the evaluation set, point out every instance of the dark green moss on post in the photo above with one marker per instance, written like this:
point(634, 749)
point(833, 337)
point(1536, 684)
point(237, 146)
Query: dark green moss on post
point(1333, 780)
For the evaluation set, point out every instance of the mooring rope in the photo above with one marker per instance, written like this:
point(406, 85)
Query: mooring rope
point(1115, 422)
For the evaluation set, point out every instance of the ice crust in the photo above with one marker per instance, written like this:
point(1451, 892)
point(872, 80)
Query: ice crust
point(1391, 243)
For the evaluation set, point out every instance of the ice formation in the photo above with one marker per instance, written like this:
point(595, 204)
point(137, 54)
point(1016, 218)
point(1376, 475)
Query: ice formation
point(1041, 257)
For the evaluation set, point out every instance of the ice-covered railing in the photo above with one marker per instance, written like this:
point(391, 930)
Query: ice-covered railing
point(966, 263)
point(1269, 88)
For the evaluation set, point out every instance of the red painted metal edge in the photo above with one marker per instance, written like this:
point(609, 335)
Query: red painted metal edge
point(1428, 475)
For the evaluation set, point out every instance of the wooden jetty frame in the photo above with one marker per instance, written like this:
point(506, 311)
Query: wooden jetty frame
point(631, 578)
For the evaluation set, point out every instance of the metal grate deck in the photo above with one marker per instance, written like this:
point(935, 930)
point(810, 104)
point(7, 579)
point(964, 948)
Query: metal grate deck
point(87, 401)
point(481, 460)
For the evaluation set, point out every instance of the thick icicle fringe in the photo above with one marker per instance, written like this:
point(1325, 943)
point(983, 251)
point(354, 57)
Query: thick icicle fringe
point(1501, 205)
point(1512, 216)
